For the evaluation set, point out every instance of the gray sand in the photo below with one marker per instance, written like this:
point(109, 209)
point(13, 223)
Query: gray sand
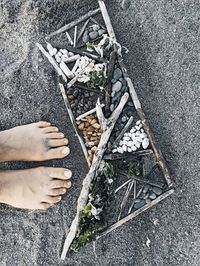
point(162, 37)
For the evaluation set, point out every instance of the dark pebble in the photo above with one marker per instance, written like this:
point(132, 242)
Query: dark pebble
point(142, 195)
point(112, 107)
point(117, 74)
point(92, 93)
point(75, 93)
point(140, 204)
point(152, 196)
point(130, 103)
point(124, 82)
point(89, 103)
point(146, 188)
point(113, 81)
point(85, 37)
point(124, 119)
point(148, 201)
point(93, 34)
point(101, 32)
point(137, 200)
point(146, 196)
point(157, 190)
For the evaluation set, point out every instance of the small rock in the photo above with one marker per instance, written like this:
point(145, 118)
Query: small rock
point(101, 32)
point(124, 82)
point(113, 94)
point(114, 151)
point(85, 37)
point(137, 144)
point(137, 200)
point(130, 144)
point(120, 150)
point(129, 149)
point(124, 119)
point(93, 34)
point(137, 127)
point(145, 143)
point(95, 27)
point(71, 54)
point(126, 138)
point(142, 195)
point(112, 107)
point(59, 54)
point(132, 130)
point(146, 196)
point(157, 190)
point(137, 133)
point(152, 196)
point(138, 139)
point(117, 73)
point(124, 147)
point(133, 148)
point(148, 201)
point(142, 130)
point(143, 135)
point(146, 188)
point(129, 103)
point(117, 86)
point(113, 81)
point(140, 204)
point(58, 59)
point(138, 122)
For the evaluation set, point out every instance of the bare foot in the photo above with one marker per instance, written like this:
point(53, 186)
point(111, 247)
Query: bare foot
point(36, 188)
point(33, 142)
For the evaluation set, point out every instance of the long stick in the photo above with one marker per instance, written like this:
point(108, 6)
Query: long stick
point(52, 61)
point(136, 213)
point(157, 153)
point(62, 89)
point(75, 22)
point(82, 30)
point(107, 126)
point(88, 113)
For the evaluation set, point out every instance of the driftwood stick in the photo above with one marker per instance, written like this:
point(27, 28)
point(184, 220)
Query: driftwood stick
point(157, 153)
point(69, 38)
point(134, 196)
point(123, 185)
point(107, 125)
point(88, 113)
point(136, 213)
point(82, 30)
point(96, 22)
point(75, 22)
point(75, 35)
point(125, 198)
point(52, 61)
point(121, 134)
point(135, 154)
point(62, 89)
point(71, 83)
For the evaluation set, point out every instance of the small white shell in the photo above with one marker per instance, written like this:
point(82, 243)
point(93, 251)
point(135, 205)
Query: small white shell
point(58, 59)
point(59, 53)
point(130, 144)
point(49, 47)
point(137, 134)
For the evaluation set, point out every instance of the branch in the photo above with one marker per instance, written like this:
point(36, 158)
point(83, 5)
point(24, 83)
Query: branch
point(52, 61)
point(98, 155)
point(75, 22)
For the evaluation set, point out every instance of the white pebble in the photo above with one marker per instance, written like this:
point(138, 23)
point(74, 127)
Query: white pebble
point(49, 47)
point(137, 144)
point(126, 138)
point(143, 135)
point(57, 57)
point(125, 134)
point(133, 148)
point(138, 122)
point(54, 51)
point(125, 142)
point(129, 149)
point(120, 150)
point(71, 54)
point(121, 143)
point(59, 54)
point(132, 130)
point(137, 127)
point(51, 52)
point(129, 134)
point(124, 147)
point(130, 144)
point(137, 133)
point(142, 130)
point(138, 139)
point(114, 151)
point(145, 143)
point(133, 136)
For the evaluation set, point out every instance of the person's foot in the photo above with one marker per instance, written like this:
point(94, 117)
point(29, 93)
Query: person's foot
point(33, 142)
point(36, 188)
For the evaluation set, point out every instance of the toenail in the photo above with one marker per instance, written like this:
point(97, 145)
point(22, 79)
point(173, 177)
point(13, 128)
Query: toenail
point(61, 135)
point(66, 141)
point(59, 198)
point(65, 151)
point(68, 173)
point(64, 190)
point(69, 184)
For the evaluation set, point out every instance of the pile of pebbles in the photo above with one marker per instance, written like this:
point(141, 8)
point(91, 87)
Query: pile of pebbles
point(93, 32)
point(81, 101)
point(119, 86)
point(147, 194)
point(91, 131)
point(133, 140)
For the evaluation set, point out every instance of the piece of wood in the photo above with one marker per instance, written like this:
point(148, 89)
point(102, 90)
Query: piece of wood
point(92, 111)
point(69, 38)
point(121, 134)
point(62, 89)
point(75, 35)
point(75, 22)
point(52, 61)
point(136, 213)
point(107, 126)
point(82, 30)
point(157, 153)
point(134, 154)
point(72, 82)
point(123, 185)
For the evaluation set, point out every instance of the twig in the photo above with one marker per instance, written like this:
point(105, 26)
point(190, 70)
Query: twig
point(125, 198)
point(135, 196)
point(52, 61)
point(136, 213)
point(62, 89)
point(75, 22)
point(69, 38)
point(82, 30)
point(107, 126)
point(135, 154)
point(88, 113)
point(123, 185)
point(121, 134)
point(75, 35)
point(157, 153)
point(71, 83)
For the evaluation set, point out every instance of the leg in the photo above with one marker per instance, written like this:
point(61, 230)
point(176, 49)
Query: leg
point(36, 188)
point(33, 142)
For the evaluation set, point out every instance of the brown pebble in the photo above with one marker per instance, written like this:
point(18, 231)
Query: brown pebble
point(87, 124)
point(90, 158)
point(78, 122)
point(81, 126)
point(96, 126)
point(94, 121)
point(70, 97)
point(93, 149)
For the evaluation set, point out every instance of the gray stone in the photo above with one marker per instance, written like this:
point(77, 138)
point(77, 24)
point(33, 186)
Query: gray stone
point(85, 37)
point(157, 190)
point(152, 195)
point(112, 107)
point(137, 200)
point(146, 188)
point(140, 204)
point(117, 74)
point(101, 32)
point(117, 86)
point(93, 34)
point(146, 196)
point(96, 27)
point(124, 119)
point(113, 80)
point(147, 201)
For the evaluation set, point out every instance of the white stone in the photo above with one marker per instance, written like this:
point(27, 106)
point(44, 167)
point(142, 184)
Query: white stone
point(121, 143)
point(71, 54)
point(124, 147)
point(133, 148)
point(125, 134)
point(130, 144)
point(137, 127)
point(132, 130)
point(54, 51)
point(129, 134)
point(49, 47)
point(143, 135)
point(133, 136)
point(138, 139)
point(51, 52)
point(137, 133)
point(114, 151)
point(138, 122)
point(145, 143)
point(137, 144)
point(58, 59)
point(125, 142)
point(126, 138)
point(142, 130)
point(59, 53)
point(120, 150)
point(129, 149)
